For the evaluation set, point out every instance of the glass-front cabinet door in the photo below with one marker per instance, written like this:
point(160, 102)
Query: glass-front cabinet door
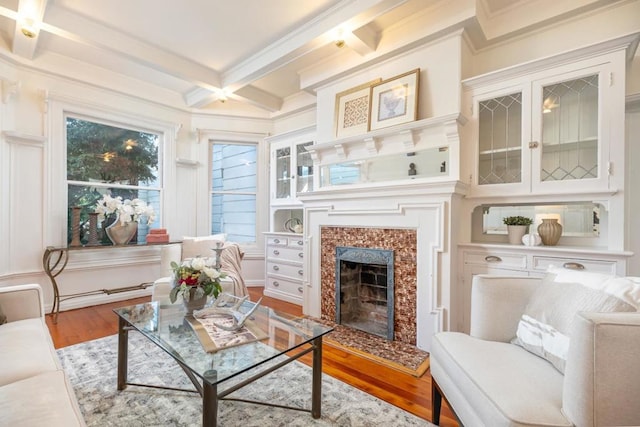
point(567, 125)
point(282, 179)
point(502, 161)
point(544, 135)
point(292, 171)
point(500, 140)
point(304, 168)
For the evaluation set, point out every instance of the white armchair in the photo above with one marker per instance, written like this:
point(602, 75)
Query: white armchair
point(488, 381)
point(230, 263)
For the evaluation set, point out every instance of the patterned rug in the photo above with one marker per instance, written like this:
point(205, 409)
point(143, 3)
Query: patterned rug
point(91, 367)
point(394, 354)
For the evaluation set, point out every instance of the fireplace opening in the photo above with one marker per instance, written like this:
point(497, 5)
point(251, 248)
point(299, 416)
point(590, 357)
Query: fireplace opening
point(364, 290)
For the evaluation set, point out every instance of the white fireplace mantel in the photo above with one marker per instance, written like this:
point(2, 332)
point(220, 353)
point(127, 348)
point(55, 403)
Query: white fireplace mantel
point(413, 136)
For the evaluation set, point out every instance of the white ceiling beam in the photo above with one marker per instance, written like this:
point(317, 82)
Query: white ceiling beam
point(28, 18)
point(307, 38)
point(364, 40)
point(259, 98)
point(90, 33)
point(199, 97)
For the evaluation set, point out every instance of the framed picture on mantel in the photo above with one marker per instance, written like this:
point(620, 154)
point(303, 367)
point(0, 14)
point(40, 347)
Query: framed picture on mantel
point(395, 101)
point(352, 110)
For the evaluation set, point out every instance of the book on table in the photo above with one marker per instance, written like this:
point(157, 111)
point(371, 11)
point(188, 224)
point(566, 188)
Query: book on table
point(214, 338)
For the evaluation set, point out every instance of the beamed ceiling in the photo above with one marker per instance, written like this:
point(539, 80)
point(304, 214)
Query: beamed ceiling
point(255, 53)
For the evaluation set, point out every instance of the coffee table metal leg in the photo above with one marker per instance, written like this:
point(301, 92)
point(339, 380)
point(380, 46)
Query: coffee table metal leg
point(316, 381)
point(123, 353)
point(210, 399)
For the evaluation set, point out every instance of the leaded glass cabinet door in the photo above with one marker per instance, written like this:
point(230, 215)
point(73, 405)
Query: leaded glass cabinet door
point(567, 129)
point(282, 173)
point(502, 162)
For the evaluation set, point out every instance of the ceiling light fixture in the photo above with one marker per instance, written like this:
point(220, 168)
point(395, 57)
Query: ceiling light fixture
point(28, 28)
point(340, 43)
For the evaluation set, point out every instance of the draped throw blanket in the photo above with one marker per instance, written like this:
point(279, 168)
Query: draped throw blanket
point(231, 263)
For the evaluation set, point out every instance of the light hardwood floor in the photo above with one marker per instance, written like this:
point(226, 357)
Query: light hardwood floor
point(402, 390)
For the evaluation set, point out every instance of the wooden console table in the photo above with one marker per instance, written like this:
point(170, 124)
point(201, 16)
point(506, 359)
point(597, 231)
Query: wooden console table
point(55, 260)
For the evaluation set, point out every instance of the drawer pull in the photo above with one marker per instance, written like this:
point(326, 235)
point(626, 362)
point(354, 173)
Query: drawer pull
point(300, 243)
point(276, 284)
point(573, 266)
point(492, 258)
point(300, 289)
point(301, 255)
point(276, 268)
point(276, 252)
point(276, 240)
point(300, 272)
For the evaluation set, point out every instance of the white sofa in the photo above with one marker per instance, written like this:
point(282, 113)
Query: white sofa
point(34, 390)
point(488, 381)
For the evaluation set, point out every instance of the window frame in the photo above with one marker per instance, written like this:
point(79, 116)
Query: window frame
point(207, 138)
point(212, 192)
point(56, 196)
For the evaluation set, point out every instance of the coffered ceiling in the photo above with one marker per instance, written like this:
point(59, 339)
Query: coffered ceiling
point(245, 51)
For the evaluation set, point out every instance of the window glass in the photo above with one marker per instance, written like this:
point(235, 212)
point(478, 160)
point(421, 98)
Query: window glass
point(233, 190)
point(106, 160)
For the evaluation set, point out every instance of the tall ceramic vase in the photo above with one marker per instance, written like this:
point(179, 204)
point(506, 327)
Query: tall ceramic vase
point(121, 234)
point(550, 231)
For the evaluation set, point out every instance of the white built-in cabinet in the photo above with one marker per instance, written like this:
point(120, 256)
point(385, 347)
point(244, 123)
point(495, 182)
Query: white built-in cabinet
point(284, 263)
point(513, 260)
point(291, 173)
point(547, 131)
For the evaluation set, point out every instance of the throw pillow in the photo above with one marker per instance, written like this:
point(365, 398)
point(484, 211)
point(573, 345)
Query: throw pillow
point(545, 326)
point(201, 246)
point(3, 317)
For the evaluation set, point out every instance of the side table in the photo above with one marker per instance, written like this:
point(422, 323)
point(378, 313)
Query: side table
point(54, 261)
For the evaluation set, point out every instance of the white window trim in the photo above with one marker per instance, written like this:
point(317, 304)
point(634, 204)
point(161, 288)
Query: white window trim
point(58, 108)
point(206, 138)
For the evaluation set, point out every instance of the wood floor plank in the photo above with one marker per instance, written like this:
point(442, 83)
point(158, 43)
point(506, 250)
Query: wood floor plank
point(400, 389)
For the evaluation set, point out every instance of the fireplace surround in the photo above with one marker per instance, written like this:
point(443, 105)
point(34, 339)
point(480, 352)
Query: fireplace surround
point(403, 244)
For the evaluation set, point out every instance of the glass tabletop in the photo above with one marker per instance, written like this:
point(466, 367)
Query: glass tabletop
point(171, 330)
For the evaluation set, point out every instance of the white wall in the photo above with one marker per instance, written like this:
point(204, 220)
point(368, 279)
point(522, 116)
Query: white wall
point(33, 182)
point(440, 70)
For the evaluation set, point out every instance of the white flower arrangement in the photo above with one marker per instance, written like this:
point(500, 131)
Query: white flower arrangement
point(127, 210)
point(199, 274)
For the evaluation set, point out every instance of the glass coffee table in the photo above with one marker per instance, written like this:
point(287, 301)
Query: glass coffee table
point(286, 339)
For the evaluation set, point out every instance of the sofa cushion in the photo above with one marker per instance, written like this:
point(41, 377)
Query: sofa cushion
point(26, 350)
point(546, 324)
point(493, 379)
point(46, 399)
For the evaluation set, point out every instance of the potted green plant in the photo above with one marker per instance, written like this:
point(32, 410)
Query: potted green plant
point(517, 226)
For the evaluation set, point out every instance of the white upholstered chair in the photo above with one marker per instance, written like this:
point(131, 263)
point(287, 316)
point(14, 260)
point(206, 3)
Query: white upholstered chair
point(230, 263)
point(488, 381)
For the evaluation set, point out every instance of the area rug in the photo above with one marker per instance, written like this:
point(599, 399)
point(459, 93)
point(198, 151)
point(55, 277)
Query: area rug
point(397, 355)
point(91, 367)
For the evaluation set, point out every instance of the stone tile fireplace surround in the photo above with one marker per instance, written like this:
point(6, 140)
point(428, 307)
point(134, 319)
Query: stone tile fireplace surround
point(403, 244)
point(412, 219)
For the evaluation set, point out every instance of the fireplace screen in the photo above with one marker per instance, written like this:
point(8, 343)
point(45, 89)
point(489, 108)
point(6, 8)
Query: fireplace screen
point(364, 290)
